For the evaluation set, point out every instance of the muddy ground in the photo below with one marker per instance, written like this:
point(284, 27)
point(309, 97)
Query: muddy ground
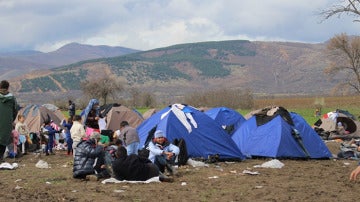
point(298, 180)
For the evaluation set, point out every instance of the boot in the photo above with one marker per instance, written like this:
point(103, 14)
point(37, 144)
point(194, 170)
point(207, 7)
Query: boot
point(171, 169)
point(164, 178)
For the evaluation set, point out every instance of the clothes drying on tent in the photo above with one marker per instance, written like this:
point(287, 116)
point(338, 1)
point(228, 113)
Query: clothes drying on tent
point(283, 135)
point(338, 124)
point(228, 118)
point(203, 136)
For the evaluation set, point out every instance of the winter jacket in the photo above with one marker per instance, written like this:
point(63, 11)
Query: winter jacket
point(8, 112)
point(156, 149)
point(85, 156)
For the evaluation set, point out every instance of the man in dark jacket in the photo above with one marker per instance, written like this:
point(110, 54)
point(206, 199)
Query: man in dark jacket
point(87, 152)
point(135, 168)
point(71, 109)
point(8, 112)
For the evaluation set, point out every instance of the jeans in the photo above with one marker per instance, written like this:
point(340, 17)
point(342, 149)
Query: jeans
point(132, 148)
point(50, 144)
point(161, 161)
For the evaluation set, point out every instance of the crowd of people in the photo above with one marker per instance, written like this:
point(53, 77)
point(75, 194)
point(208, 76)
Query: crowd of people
point(93, 153)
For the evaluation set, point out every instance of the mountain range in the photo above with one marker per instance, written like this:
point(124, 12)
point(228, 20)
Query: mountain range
point(265, 68)
point(15, 64)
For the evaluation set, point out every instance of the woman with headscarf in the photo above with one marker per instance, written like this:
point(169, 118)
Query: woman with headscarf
point(90, 117)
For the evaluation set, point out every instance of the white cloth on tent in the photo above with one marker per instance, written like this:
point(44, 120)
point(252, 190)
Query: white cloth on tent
point(177, 109)
point(333, 115)
point(192, 120)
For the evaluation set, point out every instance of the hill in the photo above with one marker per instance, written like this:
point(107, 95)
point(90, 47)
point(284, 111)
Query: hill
point(266, 68)
point(15, 64)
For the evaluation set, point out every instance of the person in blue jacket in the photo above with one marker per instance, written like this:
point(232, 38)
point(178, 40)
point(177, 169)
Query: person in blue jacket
point(50, 131)
point(69, 140)
point(163, 153)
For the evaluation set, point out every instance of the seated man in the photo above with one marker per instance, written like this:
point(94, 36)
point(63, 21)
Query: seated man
point(87, 153)
point(163, 153)
point(134, 167)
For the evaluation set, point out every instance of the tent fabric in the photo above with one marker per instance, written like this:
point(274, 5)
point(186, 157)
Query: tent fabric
point(115, 114)
point(203, 136)
point(149, 113)
point(275, 139)
point(56, 110)
point(35, 115)
point(329, 121)
point(226, 117)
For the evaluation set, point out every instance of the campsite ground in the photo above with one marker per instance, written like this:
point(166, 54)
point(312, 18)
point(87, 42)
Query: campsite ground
point(298, 180)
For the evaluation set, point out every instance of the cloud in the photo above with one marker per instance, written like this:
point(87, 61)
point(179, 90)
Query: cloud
point(46, 25)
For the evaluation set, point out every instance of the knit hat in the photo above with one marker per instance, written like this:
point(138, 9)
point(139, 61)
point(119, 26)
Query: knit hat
point(159, 133)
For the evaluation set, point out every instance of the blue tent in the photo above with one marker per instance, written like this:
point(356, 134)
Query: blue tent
point(228, 118)
point(276, 139)
point(203, 136)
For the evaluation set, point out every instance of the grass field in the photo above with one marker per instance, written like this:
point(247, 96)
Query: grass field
point(304, 106)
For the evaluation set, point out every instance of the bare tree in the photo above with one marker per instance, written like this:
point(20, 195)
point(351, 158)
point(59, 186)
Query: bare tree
point(347, 7)
point(102, 87)
point(344, 55)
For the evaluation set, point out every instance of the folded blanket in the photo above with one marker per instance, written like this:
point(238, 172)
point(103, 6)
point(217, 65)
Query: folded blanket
point(113, 180)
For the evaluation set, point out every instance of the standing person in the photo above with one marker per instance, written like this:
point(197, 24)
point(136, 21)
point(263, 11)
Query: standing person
point(163, 153)
point(72, 109)
point(134, 167)
point(23, 131)
point(130, 138)
point(51, 134)
point(90, 117)
point(8, 111)
point(87, 157)
point(77, 132)
point(69, 140)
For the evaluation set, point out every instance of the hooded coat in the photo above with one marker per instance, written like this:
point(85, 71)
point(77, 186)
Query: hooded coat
point(8, 111)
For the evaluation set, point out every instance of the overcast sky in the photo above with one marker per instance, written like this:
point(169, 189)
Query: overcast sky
point(46, 25)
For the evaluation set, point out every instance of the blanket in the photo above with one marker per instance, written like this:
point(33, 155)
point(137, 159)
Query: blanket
point(113, 180)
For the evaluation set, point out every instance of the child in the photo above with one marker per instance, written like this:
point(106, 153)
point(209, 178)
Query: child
point(51, 134)
point(69, 140)
point(23, 131)
point(77, 132)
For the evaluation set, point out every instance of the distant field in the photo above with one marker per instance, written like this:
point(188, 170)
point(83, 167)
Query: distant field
point(305, 106)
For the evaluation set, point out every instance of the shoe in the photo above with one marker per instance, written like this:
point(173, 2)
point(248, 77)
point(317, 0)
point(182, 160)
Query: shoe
point(100, 176)
point(47, 154)
point(172, 169)
point(164, 178)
